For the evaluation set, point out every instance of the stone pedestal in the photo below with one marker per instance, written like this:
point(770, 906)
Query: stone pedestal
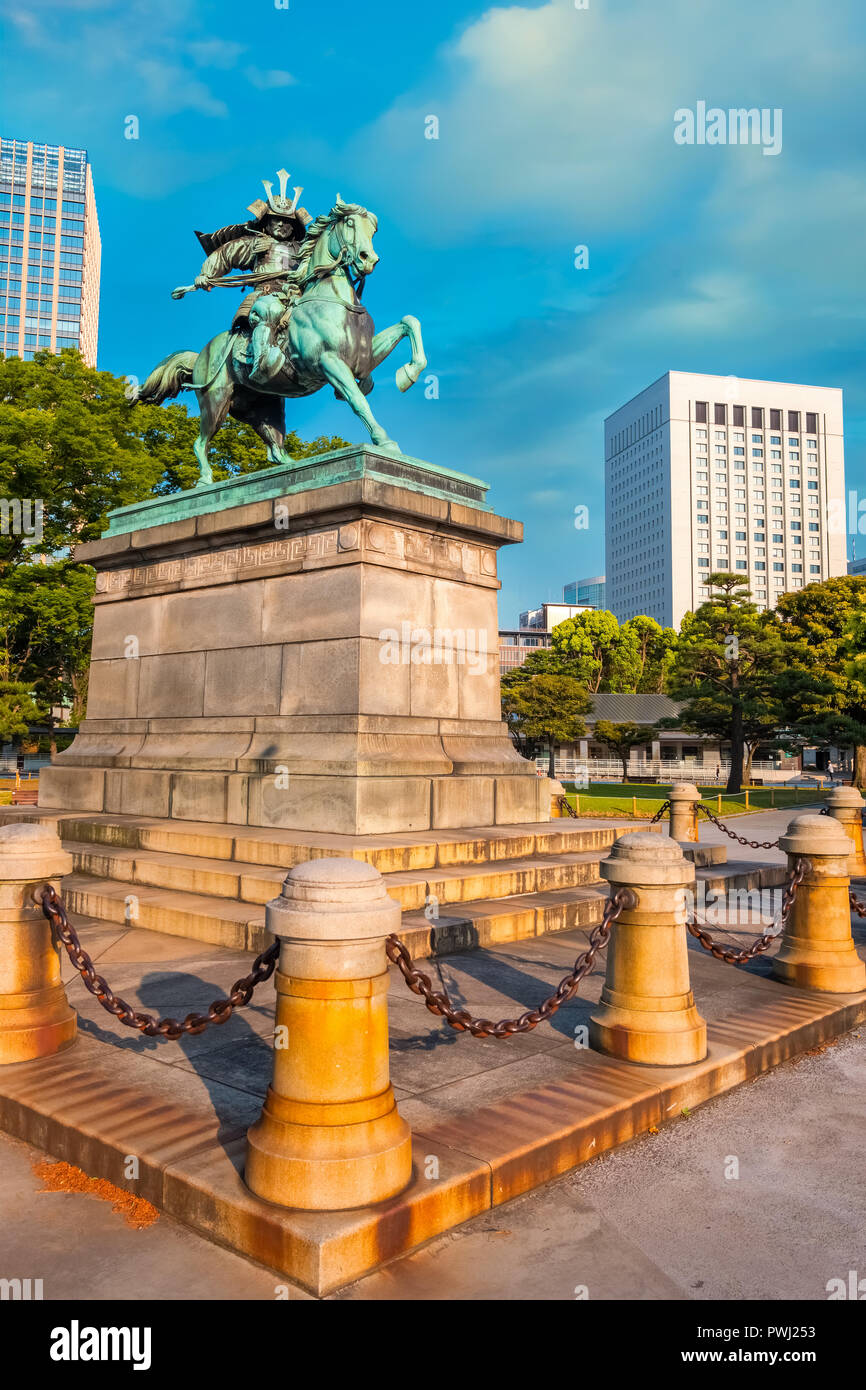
point(35, 1018)
point(323, 657)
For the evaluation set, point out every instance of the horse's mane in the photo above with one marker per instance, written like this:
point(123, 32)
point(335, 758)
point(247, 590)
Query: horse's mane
point(323, 224)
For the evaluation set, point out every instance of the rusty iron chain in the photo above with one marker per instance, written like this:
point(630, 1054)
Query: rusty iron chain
point(438, 1002)
point(731, 954)
point(857, 904)
point(665, 806)
point(566, 807)
point(219, 1011)
point(732, 834)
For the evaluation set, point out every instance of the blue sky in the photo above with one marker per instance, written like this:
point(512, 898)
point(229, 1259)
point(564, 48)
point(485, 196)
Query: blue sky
point(555, 130)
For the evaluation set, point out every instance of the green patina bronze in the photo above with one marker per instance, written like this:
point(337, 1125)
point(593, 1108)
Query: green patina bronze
point(323, 470)
point(301, 327)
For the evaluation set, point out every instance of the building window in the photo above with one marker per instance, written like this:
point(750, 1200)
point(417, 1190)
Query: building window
point(739, 414)
point(701, 408)
point(811, 422)
point(720, 414)
point(757, 417)
point(794, 420)
point(775, 419)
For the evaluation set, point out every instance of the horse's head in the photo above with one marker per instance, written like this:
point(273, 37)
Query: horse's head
point(343, 236)
point(351, 236)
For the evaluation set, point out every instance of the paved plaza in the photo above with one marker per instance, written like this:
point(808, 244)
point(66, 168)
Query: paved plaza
point(567, 1234)
point(654, 1220)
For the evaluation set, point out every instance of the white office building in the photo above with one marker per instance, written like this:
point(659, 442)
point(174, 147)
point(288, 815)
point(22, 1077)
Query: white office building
point(707, 473)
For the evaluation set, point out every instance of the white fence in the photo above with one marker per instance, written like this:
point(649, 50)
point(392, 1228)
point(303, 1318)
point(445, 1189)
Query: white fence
point(665, 770)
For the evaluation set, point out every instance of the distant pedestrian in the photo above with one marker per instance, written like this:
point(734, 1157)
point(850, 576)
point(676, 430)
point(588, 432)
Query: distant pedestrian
point(718, 772)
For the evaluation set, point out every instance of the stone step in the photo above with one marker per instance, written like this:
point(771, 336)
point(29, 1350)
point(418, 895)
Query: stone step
point(236, 925)
point(285, 848)
point(482, 922)
point(491, 922)
point(257, 884)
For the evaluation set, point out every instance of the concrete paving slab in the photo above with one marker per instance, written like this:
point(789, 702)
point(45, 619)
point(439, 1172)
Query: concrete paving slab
point(498, 1117)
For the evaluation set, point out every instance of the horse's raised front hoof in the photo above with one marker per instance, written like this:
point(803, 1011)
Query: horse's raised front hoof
point(405, 377)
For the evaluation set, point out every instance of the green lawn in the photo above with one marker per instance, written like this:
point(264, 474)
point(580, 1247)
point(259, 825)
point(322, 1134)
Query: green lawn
point(642, 800)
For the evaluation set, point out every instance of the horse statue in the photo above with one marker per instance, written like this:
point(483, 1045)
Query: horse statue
point(326, 335)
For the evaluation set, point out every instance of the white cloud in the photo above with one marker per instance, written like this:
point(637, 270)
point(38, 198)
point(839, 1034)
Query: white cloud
point(170, 89)
point(216, 53)
point(267, 78)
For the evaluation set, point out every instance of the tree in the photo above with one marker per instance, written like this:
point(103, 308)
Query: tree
point(622, 738)
point(17, 709)
point(547, 708)
point(726, 669)
point(823, 628)
point(69, 440)
point(655, 652)
point(605, 656)
point(46, 613)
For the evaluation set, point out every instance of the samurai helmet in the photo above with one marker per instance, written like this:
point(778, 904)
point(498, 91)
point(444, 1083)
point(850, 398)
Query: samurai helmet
point(278, 205)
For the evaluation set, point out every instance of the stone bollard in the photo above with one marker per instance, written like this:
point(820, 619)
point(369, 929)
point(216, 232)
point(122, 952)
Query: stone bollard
point(845, 805)
point(330, 1135)
point(817, 950)
point(647, 1010)
point(35, 1019)
point(684, 798)
point(555, 791)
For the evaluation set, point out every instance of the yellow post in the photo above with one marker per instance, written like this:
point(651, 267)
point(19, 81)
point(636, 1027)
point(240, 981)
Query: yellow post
point(35, 1018)
point(634, 806)
point(556, 790)
point(330, 1135)
point(577, 803)
point(647, 1010)
point(845, 805)
point(746, 794)
point(684, 798)
point(817, 950)
point(719, 812)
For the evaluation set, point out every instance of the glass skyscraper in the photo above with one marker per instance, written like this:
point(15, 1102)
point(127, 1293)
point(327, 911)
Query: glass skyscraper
point(49, 250)
point(586, 591)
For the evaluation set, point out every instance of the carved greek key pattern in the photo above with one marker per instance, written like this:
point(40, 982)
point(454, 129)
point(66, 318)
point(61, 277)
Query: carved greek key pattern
point(373, 538)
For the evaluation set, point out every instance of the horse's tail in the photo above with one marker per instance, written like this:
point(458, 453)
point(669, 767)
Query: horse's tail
point(167, 379)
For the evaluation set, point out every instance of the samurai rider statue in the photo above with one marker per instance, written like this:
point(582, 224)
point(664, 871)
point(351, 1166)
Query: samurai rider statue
point(268, 247)
point(301, 327)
